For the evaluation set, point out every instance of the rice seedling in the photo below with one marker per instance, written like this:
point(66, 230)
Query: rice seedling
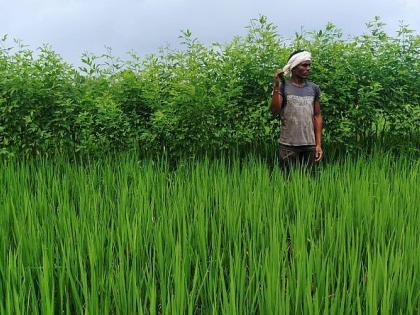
point(122, 236)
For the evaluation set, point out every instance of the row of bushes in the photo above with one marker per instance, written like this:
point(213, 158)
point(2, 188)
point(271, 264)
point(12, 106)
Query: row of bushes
point(209, 97)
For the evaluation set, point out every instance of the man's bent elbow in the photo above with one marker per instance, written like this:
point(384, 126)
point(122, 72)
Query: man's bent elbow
point(274, 111)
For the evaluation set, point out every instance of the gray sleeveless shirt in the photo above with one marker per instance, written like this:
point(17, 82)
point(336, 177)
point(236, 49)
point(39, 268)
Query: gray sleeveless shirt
point(297, 116)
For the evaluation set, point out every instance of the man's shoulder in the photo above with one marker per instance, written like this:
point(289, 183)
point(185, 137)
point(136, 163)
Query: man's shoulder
point(312, 84)
point(308, 83)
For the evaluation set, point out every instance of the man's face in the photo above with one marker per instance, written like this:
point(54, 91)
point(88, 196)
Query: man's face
point(302, 70)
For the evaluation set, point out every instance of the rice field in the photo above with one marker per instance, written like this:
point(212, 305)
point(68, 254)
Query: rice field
point(122, 236)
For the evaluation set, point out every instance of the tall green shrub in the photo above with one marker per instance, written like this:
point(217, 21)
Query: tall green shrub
point(209, 98)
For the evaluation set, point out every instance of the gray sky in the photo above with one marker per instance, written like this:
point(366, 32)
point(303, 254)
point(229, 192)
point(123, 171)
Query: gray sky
point(75, 26)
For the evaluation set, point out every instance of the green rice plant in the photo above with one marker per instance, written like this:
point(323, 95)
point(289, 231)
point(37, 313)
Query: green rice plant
point(233, 236)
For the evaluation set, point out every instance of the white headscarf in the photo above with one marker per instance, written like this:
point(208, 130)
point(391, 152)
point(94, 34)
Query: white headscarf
point(296, 60)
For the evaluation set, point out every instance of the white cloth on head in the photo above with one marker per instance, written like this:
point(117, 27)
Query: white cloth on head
point(296, 60)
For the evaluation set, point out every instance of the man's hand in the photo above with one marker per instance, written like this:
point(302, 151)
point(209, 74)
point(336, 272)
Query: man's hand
point(318, 153)
point(276, 79)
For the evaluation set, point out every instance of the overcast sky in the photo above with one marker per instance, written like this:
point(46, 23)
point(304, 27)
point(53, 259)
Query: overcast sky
point(75, 26)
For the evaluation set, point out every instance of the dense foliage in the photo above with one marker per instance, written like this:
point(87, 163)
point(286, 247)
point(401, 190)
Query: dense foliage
point(209, 98)
point(119, 236)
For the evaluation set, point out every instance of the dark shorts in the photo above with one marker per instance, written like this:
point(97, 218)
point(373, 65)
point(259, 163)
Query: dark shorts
point(303, 155)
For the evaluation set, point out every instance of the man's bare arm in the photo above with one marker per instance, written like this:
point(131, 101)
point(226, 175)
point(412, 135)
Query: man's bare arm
point(276, 98)
point(276, 101)
point(318, 129)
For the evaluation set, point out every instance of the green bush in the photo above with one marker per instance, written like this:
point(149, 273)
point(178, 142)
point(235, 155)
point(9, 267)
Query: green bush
point(210, 98)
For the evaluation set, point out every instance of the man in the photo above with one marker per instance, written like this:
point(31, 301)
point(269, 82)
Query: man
point(297, 102)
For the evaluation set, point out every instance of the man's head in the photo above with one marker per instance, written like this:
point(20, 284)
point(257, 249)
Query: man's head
point(302, 70)
point(299, 64)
